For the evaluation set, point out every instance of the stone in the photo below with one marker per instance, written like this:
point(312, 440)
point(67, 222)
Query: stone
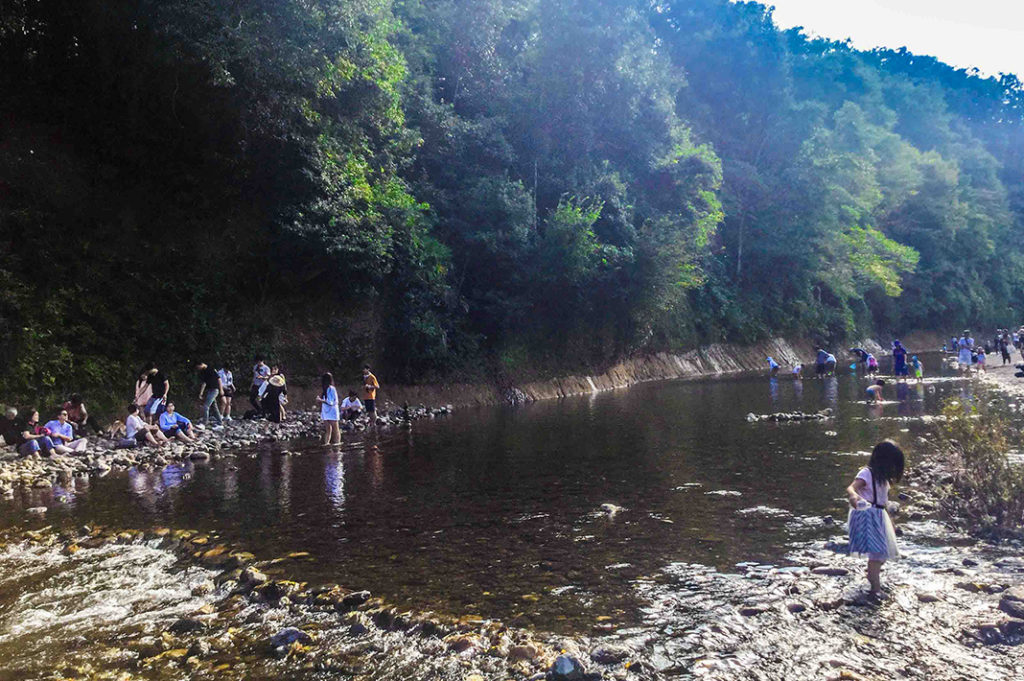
point(37, 510)
point(927, 597)
point(566, 668)
point(187, 625)
point(609, 654)
point(752, 610)
point(1012, 602)
point(830, 571)
point(290, 635)
point(355, 599)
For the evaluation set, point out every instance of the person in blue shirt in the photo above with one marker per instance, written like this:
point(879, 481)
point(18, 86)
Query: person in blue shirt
point(830, 364)
point(63, 434)
point(173, 424)
point(773, 367)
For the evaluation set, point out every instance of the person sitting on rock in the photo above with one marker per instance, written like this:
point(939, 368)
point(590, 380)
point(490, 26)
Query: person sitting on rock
point(351, 407)
point(141, 432)
point(62, 433)
point(78, 415)
point(33, 438)
point(9, 426)
point(173, 424)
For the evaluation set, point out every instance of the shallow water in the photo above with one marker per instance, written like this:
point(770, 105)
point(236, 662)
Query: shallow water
point(498, 511)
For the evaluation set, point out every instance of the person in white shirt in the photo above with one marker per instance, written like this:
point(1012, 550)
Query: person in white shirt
point(351, 407)
point(228, 381)
point(143, 433)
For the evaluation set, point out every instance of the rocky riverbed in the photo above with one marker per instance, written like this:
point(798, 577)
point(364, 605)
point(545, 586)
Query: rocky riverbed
point(104, 454)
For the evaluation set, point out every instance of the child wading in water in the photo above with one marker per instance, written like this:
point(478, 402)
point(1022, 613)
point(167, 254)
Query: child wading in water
point(871, 531)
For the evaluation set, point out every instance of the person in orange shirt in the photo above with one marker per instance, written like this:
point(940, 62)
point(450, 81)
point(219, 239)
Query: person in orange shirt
point(370, 385)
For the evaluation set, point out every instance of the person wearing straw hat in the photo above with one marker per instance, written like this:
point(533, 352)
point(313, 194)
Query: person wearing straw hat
point(275, 396)
point(965, 347)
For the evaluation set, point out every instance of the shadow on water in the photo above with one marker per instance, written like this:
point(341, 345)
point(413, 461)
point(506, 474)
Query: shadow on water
point(498, 511)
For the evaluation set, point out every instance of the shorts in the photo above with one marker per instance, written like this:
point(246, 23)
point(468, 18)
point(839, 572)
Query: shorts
point(155, 406)
point(830, 366)
point(901, 371)
point(140, 436)
point(229, 392)
point(819, 368)
point(172, 431)
point(370, 406)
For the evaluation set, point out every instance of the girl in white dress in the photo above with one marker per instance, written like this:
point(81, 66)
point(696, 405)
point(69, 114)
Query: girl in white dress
point(871, 530)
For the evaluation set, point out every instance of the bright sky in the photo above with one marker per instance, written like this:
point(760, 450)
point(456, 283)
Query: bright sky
point(987, 34)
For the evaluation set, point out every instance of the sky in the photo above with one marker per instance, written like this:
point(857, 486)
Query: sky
point(987, 34)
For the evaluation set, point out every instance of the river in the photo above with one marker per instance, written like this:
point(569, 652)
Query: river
point(498, 512)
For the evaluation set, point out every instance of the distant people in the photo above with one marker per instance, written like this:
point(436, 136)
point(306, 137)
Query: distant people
point(275, 396)
point(1005, 346)
point(63, 434)
point(899, 360)
point(141, 432)
point(143, 390)
point(370, 387)
point(260, 374)
point(918, 368)
point(861, 354)
point(227, 380)
point(965, 350)
point(830, 364)
point(78, 415)
point(174, 425)
point(351, 407)
point(871, 531)
point(954, 346)
point(874, 390)
point(980, 360)
point(773, 367)
point(32, 438)
point(329, 410)
point(210, 390)
point(798, 370)
point(819, 362)
point(872, 363)
point(160, 387)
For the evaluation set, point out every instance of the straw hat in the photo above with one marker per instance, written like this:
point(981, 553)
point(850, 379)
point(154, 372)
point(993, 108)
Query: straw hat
point(277, 380)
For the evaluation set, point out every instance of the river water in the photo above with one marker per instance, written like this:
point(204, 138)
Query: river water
point(497, 512)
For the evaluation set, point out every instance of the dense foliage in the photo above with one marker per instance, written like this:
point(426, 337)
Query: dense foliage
point(480, 185)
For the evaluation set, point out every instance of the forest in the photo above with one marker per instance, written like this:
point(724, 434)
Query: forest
point(480, 188)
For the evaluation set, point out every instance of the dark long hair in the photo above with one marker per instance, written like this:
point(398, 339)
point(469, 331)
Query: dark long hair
point(886, 462)
point(326, 381)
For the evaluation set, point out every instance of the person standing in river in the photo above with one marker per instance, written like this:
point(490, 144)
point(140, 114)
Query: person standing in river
point(965, 350)
point(370, 387)
point(871, 531)
point(329, 410)
point(773, 367)
point(899, 361)
point(819, 362)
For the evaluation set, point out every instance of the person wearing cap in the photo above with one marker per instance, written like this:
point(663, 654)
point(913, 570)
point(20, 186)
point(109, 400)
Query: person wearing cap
point(370, 387)
point(899, 360)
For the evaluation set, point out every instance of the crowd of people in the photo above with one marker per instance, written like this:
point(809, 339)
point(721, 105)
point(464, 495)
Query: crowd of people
point(153, 419)
point(973, 356)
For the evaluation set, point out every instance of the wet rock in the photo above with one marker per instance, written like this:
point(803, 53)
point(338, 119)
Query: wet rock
point(37, 510)
point(567, 668)
point(355, 599)
point(1012, 602)
point(752, 610)
point(187, 625)
point(796, 607)
point(609, 653)
point(830, 571)
point(199, 649)
point(252, 576)
point(290, 635)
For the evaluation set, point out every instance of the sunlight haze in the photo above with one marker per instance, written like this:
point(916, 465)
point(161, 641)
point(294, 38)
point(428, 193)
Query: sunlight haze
point(987, 34)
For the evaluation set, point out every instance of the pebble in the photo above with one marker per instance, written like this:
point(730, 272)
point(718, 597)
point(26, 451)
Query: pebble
point(830, 571)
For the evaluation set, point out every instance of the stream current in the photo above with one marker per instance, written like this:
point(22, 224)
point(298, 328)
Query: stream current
point(495, 512)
